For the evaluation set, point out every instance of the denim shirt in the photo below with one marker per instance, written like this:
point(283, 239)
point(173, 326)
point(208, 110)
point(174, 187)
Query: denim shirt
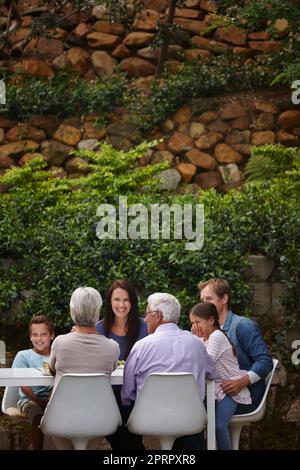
point(252, 351)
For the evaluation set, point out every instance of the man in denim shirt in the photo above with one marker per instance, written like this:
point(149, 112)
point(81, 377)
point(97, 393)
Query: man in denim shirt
point(252, 352)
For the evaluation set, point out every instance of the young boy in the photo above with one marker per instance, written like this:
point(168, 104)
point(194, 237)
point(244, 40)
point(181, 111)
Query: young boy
point(33, 400)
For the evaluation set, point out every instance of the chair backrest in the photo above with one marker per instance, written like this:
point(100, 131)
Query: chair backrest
point(83, 405)
point(259, 412)
point(10, 398)
point(169, 404)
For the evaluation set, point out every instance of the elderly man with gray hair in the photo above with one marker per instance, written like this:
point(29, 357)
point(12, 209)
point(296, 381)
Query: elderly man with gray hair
point(83, 350)
point(167, 348)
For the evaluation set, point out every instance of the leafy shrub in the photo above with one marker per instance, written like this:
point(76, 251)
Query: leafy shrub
point(274, 161)
point(47, 234)
point(42, 96)
point(34, 95)
point(291, 73)
point(256, 14)
point(195, 79)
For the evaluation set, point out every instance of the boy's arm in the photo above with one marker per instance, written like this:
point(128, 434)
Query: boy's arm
point(33, 397)
point(22, 361)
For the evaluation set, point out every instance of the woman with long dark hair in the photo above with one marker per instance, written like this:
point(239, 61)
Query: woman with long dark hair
point(121, 321)
point(123, 324)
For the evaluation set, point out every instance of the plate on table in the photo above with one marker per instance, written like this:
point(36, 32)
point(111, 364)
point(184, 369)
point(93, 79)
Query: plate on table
point(44, 371)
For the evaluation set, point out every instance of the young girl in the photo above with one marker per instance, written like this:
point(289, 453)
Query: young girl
point(205, 324)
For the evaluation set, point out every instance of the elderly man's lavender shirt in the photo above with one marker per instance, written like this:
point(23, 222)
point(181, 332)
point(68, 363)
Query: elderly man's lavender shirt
point(168, 349)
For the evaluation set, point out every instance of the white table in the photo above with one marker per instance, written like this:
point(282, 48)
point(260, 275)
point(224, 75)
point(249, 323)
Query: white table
point(31, 376)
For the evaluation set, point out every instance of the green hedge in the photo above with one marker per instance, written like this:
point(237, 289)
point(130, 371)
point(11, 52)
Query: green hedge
point(40, 96)
point(48, 239)
point(35, 95)
point(194, 79)
point(257, 15)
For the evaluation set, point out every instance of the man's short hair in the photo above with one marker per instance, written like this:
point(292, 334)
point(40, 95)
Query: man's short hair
point(219, 286)
point(167, 304)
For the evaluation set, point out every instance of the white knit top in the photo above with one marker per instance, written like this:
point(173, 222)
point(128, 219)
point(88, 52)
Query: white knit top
point(227, 367)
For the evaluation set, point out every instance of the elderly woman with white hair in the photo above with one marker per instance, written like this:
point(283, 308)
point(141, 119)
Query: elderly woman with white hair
point(83, 350)
point(167, 348)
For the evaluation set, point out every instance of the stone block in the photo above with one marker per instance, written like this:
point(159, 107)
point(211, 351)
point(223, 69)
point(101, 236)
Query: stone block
point(169, 179)
point(279, 290)
point(261, 267)
point(292, 335)
point(261, 298)
point(293, 415)
point(230, 173)
point(280, 376)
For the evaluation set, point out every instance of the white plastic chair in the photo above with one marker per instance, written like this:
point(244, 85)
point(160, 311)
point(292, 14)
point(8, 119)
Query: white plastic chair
point(82, 407)
point(169, 406)
point(9, 403)
point(238, 421)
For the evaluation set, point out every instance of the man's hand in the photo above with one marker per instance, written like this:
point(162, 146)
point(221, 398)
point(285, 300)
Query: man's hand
point(232, 387)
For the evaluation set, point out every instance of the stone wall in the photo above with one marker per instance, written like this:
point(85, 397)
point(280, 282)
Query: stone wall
point(268, 292)
point(206, 143)
point(283, 405)
point(87, 43)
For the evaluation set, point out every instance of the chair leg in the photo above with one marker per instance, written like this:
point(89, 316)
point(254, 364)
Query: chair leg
point(166, 442)
point(79, 443)
point(235, 432)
